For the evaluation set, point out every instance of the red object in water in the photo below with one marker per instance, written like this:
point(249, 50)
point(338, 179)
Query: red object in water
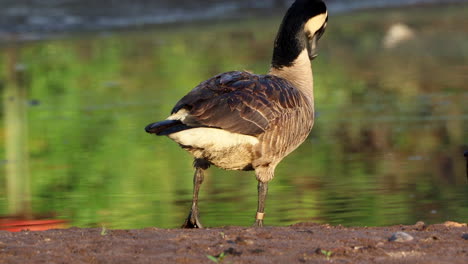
point(16, 225)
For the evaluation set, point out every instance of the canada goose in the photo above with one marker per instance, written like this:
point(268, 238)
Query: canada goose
point(242, 121)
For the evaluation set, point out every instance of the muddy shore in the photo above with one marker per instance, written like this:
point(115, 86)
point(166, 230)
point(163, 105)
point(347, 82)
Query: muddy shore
point(300, 243)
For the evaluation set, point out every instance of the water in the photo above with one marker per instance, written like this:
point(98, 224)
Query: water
point(37, 19)
point(387, 146)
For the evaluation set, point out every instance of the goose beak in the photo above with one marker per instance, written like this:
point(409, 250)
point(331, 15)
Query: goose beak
point(312, 47)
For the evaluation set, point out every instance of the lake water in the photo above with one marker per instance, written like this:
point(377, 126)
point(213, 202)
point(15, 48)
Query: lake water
point(38, 19)
point(387, 146)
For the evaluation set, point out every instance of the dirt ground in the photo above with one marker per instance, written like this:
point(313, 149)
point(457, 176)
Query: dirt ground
point(300, 243)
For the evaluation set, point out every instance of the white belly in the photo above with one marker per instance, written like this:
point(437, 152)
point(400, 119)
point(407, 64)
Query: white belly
point(224, 149)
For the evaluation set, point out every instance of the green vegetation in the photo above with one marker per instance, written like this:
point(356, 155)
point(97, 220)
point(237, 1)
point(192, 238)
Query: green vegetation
point(327, 254)
point(217, 259)
point(103, 231)
point(386, 147)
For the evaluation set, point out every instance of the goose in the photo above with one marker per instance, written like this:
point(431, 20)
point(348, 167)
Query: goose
point(243, 121)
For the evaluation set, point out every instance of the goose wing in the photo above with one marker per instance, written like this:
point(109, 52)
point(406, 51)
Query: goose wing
point(238, 102)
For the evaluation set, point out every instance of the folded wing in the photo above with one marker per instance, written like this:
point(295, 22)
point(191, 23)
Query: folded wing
point(239, 102)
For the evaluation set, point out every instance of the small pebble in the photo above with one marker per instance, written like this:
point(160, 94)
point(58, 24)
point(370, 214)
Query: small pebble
point(232, 251)
point(400, 237)
point(420, 225)
point(243, 241)
point(430, 239)
point(465, 236)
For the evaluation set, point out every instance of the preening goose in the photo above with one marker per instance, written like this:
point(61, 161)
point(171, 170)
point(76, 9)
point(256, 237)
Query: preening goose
point(243, 121)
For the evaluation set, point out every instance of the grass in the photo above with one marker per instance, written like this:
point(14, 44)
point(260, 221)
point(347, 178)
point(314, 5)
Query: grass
point(217, 259)
point(327, 253)
point(103, 231)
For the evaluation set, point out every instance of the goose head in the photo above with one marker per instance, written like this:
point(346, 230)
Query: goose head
point(302, 26)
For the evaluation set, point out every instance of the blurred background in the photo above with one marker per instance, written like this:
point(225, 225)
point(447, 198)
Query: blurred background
point(80, 80)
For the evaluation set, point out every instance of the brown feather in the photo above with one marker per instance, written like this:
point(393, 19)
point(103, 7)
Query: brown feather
point(241, 102)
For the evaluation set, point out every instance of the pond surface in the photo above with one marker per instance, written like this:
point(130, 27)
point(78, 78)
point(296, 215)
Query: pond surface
point(36, 19)
point(387, 146)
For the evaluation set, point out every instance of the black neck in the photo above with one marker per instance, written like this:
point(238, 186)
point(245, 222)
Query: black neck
point(291, 39)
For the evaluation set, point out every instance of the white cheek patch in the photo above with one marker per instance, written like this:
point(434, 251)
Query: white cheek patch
point(204, 137)
point(180, 115)
point(315, 23)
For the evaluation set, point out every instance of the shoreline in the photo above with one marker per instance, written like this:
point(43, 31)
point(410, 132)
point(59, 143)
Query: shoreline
point(299, 243)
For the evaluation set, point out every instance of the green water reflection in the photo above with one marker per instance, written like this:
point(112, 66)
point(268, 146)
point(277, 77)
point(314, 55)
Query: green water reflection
point(387, 146)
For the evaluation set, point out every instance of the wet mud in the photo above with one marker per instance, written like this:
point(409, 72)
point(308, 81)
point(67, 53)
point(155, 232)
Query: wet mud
point(300, 243)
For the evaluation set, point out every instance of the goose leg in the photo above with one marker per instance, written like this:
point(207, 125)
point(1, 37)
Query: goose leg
point(262, 193)
point(192, 220)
